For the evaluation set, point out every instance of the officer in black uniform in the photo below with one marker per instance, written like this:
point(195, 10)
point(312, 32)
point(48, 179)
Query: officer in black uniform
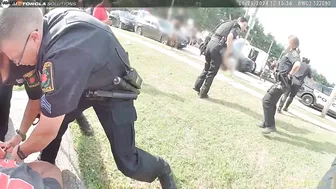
point(288, 66)
point(5, 97)
point(297, 82)
point(27, 76)
point(82, 65)
point(221, 41)
point(19, 75)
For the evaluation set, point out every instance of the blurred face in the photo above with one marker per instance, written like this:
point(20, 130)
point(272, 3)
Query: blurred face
point(23, 52)
point(243, 26)
point(291, 44)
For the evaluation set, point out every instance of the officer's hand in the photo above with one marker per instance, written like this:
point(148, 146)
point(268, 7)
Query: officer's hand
point(9, 145)
point(2, 153)
point(14, 154)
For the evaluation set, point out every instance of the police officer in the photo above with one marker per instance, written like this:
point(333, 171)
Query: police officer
point(288, 66)
point(297, 82)
point(77, 56)
point(221, 41)
point(19, 75)
point(27, 76)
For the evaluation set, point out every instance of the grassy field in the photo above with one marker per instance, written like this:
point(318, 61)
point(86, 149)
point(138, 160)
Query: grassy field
point(209, 143)
point(228, 75)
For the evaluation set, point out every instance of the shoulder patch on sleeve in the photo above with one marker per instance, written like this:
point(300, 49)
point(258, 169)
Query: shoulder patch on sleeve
point(31, 79)
point(45, 104)
point(47, 78)
point(295, 54)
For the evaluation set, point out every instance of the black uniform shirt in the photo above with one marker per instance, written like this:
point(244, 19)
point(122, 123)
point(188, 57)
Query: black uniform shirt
point(28, 76)
point(303, 72)
point(228, 27)
point(287, 61)
point(78, 52)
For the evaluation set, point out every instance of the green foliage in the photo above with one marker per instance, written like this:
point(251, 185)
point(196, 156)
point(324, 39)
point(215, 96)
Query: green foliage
point(320, 78)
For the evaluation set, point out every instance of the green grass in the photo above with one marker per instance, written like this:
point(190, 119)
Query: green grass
point(209, 143)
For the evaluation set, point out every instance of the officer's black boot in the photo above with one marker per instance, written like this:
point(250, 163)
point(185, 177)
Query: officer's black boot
point(289, 101)
point(204, 90)
point(261, 125)
point(268, 130)
point(166, 178)
point(279, 109)
point(84, 125)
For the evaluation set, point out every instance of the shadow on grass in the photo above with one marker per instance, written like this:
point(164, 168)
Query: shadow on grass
point(153, 91)
point(286, 126)
point(310, 122)
point(291, 139)
point(91, 163)
point(316, 146)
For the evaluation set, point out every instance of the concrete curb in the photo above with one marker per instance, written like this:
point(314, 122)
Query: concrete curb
point(67, 158)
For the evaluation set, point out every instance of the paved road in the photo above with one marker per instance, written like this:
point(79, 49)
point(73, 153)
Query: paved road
point(253, 80)
point(67, 157)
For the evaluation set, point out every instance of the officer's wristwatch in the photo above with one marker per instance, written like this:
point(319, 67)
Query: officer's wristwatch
point(23, 136)
point(21, 155)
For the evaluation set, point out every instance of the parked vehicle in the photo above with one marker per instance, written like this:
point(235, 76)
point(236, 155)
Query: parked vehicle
point(122, 19)
point(258, 56)
point(245, 65)
point(316, 96)
point(160, 30)
point(139, 16)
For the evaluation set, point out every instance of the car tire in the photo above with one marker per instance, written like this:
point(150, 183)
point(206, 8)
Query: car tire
point(307, 99)
point(139, 30)
point(253, 68)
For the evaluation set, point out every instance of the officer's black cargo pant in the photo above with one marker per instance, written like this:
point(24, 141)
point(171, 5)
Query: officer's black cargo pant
point(117, 119)
point(270, 101)
point(5, 98)
point(291, 92)
point(213, 57)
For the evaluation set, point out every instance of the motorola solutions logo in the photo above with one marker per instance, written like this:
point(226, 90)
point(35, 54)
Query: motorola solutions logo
point(5, 3)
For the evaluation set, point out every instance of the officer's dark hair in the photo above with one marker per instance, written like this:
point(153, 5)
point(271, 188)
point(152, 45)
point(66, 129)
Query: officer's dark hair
point(242, 19)
point(305, 60)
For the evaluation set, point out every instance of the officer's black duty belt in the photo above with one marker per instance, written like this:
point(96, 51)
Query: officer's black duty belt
point(110, 94)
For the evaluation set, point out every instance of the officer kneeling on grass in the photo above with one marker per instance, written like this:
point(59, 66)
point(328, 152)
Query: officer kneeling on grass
point(289, 64)
point(220, 43)
point(82, 65)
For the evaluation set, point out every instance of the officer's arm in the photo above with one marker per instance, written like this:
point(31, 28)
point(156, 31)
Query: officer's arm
point(310, 75)
point(295, 68)
point(294, 57)
point(229, 42)
point(32, 108)
point(62, 87)
point(42, 135)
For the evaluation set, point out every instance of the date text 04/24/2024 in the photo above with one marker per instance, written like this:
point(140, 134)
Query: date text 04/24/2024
point(281, 3)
